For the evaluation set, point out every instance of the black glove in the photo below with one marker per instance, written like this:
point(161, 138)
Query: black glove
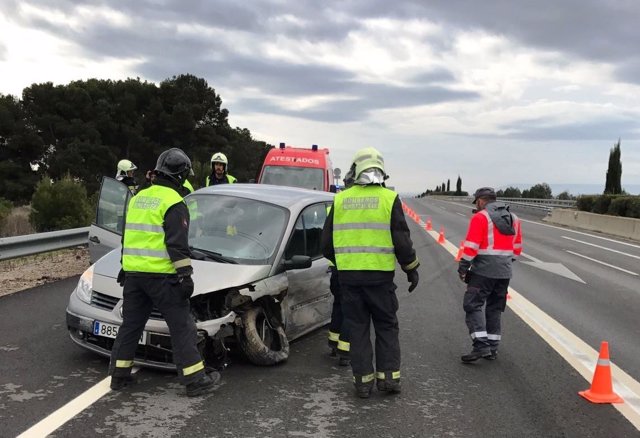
point(463, 269)
point(186, 286)
point(413, 277)
point(120, 278)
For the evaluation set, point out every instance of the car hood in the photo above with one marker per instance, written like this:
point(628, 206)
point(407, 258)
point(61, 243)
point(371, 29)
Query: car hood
point(207, 276)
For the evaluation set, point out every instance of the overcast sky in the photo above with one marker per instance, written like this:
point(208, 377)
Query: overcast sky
point(496, 91)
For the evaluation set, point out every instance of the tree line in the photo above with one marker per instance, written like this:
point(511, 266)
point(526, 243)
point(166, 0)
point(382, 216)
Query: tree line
point(84, 128)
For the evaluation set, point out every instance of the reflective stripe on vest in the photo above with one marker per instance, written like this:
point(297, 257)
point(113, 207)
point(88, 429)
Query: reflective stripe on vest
point(362, 229)
point(489, 250)
point(144, 249)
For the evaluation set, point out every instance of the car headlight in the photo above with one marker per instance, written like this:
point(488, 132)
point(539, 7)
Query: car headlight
point(85, 285)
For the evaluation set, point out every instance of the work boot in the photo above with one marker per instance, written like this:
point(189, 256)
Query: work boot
point(391, 386)
point(475, 355)
point(493, 356)
point(204, 385)
point(344, 361)
point(118, 383)
point(364, 390)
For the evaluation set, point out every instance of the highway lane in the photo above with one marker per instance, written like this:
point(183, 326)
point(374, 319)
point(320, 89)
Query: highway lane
point(605, 307)
point(530, 390)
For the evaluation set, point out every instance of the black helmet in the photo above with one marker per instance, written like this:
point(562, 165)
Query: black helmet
point(484, 192)
point(174, 162)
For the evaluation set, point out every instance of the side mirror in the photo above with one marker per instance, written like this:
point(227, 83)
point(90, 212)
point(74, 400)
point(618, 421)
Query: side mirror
point(297, 262)
point(333, 188)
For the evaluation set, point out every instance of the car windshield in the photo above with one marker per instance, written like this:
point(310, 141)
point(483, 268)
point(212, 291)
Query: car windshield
point(241, 230)
point(304, 177)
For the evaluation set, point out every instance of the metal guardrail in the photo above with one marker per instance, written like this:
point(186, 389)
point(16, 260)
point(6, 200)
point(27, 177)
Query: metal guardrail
point(20, 246)
point(547, 204)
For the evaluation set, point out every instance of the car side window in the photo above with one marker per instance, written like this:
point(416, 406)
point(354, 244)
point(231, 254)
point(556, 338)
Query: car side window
point(112, 204)
point(307, 233)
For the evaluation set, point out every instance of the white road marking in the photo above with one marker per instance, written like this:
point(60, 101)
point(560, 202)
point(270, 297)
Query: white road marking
point(601, 262)
point(602, 247)
point(574, 350)
point(532, 258)
point(460, 214)
point(57, 419)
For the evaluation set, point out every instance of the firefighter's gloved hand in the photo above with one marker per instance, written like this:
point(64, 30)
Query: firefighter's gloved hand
point(120, 278)
point(186, 286)
point(413, 278)
point(463, 269)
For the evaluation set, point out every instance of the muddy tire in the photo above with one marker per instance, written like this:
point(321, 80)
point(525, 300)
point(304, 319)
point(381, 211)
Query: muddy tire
point(261, 343)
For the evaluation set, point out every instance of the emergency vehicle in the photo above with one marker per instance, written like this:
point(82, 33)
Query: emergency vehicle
point(298, 167)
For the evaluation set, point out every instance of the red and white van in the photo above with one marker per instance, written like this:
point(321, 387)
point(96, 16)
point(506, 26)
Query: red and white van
point(298, 167)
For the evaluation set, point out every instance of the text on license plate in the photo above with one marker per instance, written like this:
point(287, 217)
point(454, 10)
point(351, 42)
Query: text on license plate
point(111, 331)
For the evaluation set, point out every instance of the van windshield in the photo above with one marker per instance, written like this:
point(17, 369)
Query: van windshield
point(303, 177)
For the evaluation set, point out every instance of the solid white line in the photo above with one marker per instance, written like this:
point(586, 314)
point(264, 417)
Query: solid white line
point(574, 350)
point(57, 419)
point(532, 258)
point(602, 247)
point(464, 215)
point(602, 263)
point(582, 233)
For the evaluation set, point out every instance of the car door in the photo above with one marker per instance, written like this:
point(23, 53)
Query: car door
point(106, 232)
point(309, 298)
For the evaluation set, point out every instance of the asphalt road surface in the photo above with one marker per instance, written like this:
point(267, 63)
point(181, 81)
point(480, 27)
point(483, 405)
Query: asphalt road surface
point(530, 390)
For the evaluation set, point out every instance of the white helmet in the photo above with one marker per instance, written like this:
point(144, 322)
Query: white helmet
point(125, 166)
point(219, 157)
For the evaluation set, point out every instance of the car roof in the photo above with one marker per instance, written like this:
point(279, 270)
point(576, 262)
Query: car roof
point(284, 196)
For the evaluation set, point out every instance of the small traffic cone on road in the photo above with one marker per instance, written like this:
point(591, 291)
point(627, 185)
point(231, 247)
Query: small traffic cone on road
point(601, 390)
point(428, 226)
point(460, 251)
point(441, 239)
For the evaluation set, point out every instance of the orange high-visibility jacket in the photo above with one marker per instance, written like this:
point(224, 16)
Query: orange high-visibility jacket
point(490, 246)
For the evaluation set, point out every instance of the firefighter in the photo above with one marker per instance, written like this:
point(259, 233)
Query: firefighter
point(365, 232)
point(219, 175)
point(124, 174)
point(156, 271)
point(493, 240)
point(338, 333)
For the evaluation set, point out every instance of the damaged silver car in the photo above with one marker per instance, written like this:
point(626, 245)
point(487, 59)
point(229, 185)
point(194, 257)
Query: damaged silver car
point(260, 278)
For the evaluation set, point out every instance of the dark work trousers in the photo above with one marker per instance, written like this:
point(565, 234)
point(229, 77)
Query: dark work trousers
point(140, 295)
point(361, 305)
point(484, 302)
point(337, 326)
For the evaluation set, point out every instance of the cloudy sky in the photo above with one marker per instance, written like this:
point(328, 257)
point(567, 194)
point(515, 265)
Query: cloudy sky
point(497, 91)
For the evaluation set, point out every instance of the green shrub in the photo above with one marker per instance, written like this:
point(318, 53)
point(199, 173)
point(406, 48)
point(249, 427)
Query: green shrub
point(619, 205)
point(601, 206)
point(586, 202)
point(60, 205)
point(633, 207)
point(5, 210)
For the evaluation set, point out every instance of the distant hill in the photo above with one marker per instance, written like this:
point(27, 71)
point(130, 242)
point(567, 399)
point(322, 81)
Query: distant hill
point(577, 189)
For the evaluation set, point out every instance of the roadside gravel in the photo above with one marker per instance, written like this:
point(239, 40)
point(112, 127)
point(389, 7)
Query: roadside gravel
point(32, 271)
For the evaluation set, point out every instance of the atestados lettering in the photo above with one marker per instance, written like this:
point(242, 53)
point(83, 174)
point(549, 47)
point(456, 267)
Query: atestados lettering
point(369, 203)
point(286, 159)
point(146, 202)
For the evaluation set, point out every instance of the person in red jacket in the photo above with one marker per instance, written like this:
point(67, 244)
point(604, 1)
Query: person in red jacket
point(494, 239)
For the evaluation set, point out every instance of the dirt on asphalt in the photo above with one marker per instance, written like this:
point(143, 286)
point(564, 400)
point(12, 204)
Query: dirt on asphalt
point(27, 272)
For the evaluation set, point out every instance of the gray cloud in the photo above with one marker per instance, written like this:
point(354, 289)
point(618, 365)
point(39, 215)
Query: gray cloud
point(550, 130)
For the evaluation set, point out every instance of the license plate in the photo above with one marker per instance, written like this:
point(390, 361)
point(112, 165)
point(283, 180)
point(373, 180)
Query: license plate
point(111, 331)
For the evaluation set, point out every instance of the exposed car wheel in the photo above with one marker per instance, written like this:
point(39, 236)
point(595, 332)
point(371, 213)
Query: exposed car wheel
point(259, 341)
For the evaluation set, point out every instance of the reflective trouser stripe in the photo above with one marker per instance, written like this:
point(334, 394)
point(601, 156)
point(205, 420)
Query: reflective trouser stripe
point(193, 368)
point(603, 362)
point(493, 337)
point(478, 335)
point(343, 346)
point(124, 363)
point(333, 336)
point(365, 379)
point(382, 376)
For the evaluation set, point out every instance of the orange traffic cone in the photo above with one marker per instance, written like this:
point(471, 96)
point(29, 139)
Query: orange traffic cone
point(460, 250)
point(441, 236)
point(601, 390)
point(428, 225)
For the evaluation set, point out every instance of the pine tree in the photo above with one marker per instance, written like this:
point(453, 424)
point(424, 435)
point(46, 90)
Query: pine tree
point(459, 186)
point(448, 185)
